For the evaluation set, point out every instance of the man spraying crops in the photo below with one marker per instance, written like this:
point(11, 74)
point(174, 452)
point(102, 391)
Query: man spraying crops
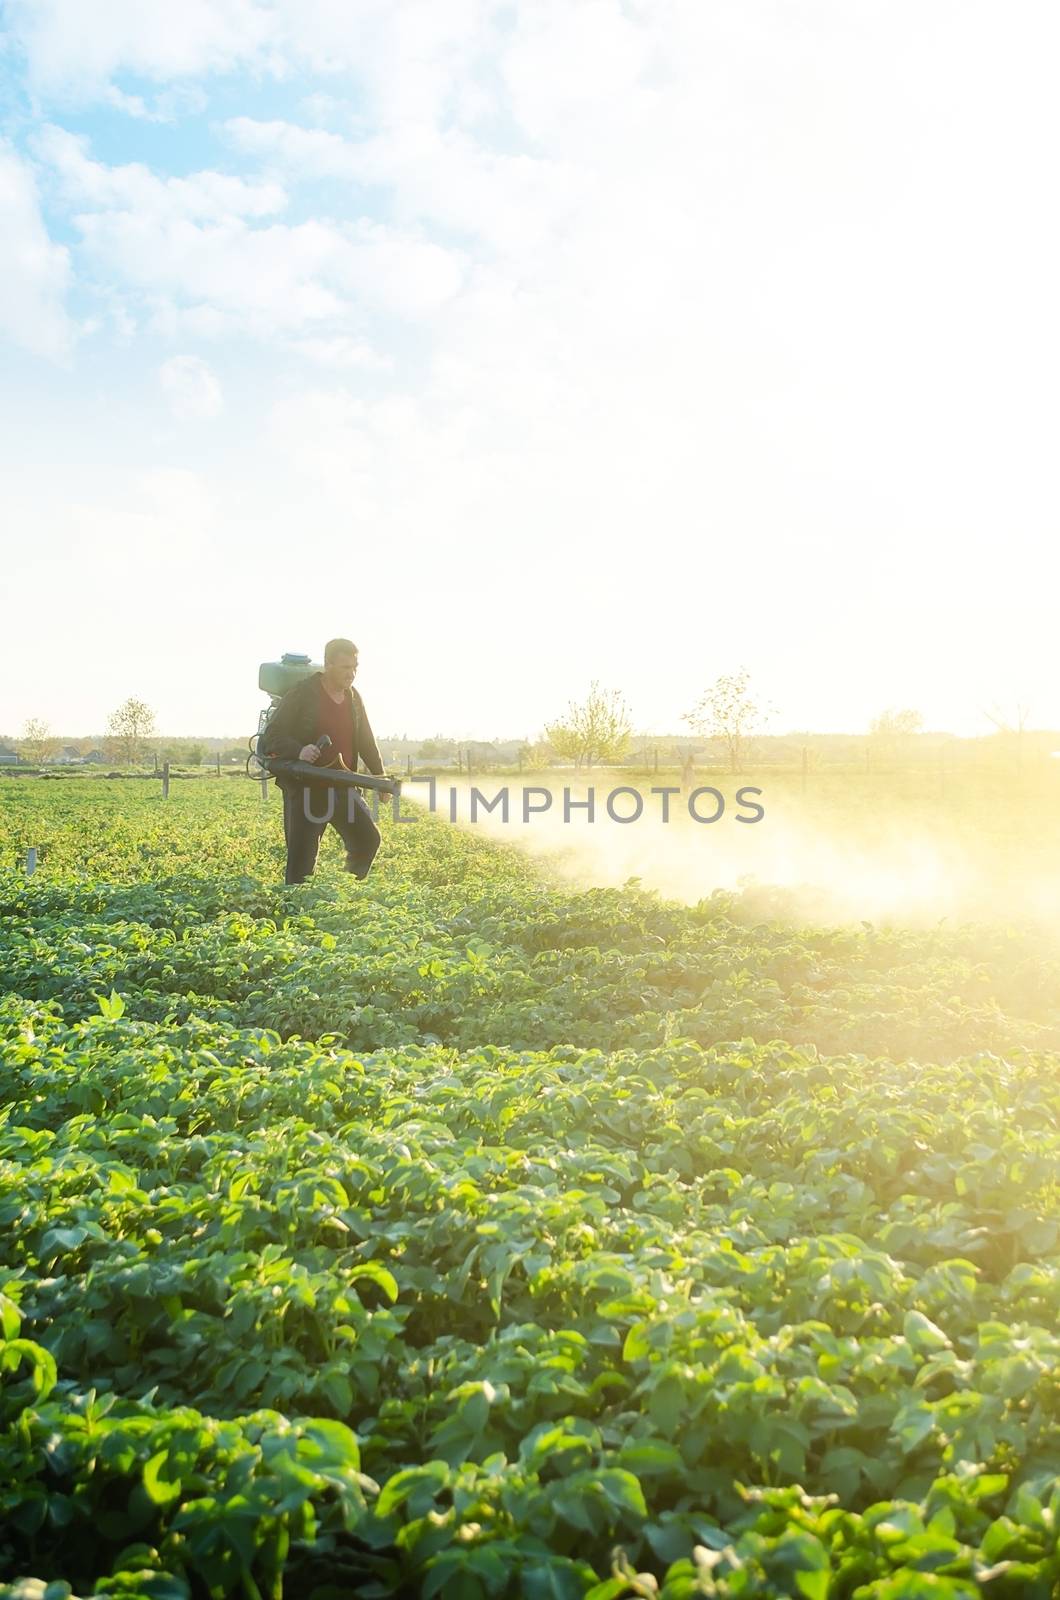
point(324, 713)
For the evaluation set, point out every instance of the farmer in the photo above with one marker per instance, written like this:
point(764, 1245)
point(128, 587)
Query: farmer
point(325, 703)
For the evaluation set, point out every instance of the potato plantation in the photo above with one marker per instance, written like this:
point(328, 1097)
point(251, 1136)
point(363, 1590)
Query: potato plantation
point(463, 1233)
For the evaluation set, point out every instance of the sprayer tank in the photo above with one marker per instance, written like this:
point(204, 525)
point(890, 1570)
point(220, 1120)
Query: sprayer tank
point(276, 677)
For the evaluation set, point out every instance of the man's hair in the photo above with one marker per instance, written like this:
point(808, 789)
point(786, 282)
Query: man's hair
point(333, 646)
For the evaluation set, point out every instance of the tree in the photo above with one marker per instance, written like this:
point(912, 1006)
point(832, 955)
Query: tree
point(128, 729)
point(598, 729)
point(535, 754)
point(728, 711)
point(436, 749)
point(891, 732)
point(37, 744)
point(891, 726)
point(1009, 724)
point(1010, 728)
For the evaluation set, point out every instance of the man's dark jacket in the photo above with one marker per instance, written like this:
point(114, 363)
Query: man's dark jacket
point(296, 722)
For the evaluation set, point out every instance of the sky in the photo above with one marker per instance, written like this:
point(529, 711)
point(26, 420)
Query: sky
point(527, 343)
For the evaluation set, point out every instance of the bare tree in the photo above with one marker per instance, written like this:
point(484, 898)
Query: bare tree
point(728, 711)
point(1010, 728)
point(596, 729)
point(1014, 724)
point(128, 730)
point(37, 744)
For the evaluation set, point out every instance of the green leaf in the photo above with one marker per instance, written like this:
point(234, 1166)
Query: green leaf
point(668, 1407)
point(623, 1491)
point(41, 1362)
point(554, 1580)
point(651, 1458)
point(637, 1346)
point(61, 1241)
point(923, 1334)
point(113, 1007)
point(419, 1486)
point(10, 1319)
point(328, 1443)
point(339, 1391)
point(145, 1582)
point(374, 1272)
point(162, 1490)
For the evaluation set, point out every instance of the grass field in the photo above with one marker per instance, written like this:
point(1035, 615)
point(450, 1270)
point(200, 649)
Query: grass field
point(472, 1232)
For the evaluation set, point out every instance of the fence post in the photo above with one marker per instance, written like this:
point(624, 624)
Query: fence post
point(805, 766)
point(655, 755)
point(31, 860)
point(165, 780)
point(218, 763)
point(264, 786)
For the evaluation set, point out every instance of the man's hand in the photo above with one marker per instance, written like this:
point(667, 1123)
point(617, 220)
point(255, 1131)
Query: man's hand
point(309, 752)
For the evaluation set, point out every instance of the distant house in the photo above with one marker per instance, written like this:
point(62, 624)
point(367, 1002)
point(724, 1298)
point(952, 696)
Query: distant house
point(482, 752)
point(96, 757)
point(8, 757)
point(68, 755)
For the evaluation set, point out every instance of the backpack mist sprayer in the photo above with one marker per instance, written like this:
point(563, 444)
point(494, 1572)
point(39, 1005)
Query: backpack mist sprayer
point(275, 678)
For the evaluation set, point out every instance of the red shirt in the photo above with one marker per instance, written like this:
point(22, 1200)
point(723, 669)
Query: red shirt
point(337, 719)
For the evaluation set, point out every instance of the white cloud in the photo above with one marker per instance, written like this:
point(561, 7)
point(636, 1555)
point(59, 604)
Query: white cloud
point(422, 58)
point(73, 50)
point(190, 250)
point(509, 203)
point(579, 64)
point(183, 100)
point(34, 272)
point(717, 256)
point(133, 105)
point(342, 352)
point(270, 281)
point(134, 188)
point(191, 387)
point(309, 152)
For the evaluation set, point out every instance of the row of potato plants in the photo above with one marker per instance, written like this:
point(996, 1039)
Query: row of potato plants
point(412, 1238)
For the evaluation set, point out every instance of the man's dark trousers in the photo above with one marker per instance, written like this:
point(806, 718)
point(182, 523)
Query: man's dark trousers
point(307, 810)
